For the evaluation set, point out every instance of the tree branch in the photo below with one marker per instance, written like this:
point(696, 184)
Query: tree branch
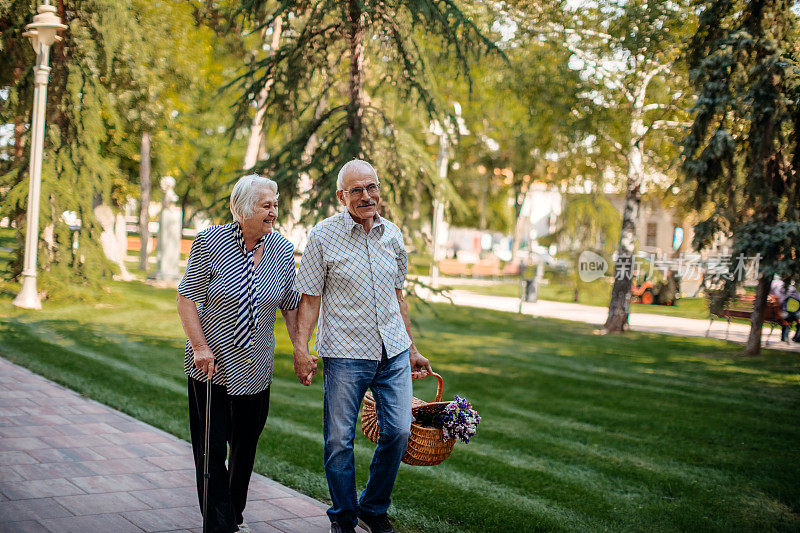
point(648, 77)
point(661, 124)
point(551, 27)
point(617, 146)
point(653, 107)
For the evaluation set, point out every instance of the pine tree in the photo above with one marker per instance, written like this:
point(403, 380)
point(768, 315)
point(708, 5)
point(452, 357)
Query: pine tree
point(343, 78)
point(742, 156)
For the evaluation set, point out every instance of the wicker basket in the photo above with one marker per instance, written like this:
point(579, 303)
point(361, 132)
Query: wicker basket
point(426, 446)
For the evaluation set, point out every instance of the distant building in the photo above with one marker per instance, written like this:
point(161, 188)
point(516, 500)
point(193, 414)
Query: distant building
point(659, 230)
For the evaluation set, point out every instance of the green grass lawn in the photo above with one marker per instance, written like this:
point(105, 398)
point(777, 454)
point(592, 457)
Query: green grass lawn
point(8, 241)
point(595, 293)
point(580, 432)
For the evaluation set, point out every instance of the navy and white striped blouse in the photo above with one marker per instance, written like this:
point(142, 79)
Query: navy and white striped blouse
point(217, 264)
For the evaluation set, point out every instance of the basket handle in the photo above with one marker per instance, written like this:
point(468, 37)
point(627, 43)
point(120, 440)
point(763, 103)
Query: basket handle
point(439, 386)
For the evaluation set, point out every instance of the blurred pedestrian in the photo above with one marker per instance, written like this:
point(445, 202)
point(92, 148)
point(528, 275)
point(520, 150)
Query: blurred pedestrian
point(791, 308)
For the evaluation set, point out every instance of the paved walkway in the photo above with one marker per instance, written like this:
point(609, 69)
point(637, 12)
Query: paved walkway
point(652, 323)
point(69, 464)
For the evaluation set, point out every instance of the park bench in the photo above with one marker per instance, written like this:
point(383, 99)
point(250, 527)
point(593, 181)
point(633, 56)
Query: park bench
point(512, 269)
point(487, 268)
point(453, 267)
point(741, 306)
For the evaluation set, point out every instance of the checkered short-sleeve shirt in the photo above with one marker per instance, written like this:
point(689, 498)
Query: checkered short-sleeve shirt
point(356, 275)
point(213, 281)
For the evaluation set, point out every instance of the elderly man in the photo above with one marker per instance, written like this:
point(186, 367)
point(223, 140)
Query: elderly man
point(351, 277)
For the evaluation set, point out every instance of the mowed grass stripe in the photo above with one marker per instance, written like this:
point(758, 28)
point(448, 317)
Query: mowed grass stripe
point(602, 384)
point(720, 375)
point(614, 380)
point(450, 479)
point(71, 348)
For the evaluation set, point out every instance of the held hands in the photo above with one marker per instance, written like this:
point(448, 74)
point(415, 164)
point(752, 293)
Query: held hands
point(420, 366)
point(305, 365)
point(204, 360)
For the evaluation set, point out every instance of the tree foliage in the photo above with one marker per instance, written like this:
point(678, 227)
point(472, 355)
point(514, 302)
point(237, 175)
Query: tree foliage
point(85, 134)
point(518, 116)
point(123, 67)
point(349, 78)
point(742, 155)
point(627, 51)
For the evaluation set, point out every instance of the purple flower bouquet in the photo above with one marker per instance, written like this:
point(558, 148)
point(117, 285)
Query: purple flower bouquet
point(457, 419)
point(460, 420)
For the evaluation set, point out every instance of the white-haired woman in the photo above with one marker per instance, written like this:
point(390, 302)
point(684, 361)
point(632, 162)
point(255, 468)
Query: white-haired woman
point(237, 276)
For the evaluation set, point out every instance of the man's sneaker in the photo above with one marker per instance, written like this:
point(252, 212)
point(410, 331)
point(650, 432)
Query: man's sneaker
point(376, 524)
point(244, 528)
point(336, 527)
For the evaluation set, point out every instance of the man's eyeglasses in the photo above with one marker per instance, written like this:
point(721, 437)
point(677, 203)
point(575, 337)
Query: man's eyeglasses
point(372, 189)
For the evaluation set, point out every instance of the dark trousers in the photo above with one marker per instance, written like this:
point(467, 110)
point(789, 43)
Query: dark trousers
point(236, 422)
point(786, 330)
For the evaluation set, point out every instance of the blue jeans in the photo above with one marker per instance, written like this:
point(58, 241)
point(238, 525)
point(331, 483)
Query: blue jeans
point(346, 381)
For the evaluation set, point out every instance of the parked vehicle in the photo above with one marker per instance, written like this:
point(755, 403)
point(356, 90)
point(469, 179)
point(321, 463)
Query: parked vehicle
point(665, 291)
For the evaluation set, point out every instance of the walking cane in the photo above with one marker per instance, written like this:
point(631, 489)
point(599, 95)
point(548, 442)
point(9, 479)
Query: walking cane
point(206, 475)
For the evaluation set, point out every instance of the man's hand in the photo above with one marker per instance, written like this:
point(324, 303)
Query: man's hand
point(420, 366)
point(204, 360)
point(305, 366)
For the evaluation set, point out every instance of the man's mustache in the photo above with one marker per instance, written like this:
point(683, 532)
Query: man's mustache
point(366, 204)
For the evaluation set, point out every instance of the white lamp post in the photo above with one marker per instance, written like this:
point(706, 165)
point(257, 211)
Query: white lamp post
point(442, 163)
point(42, 33)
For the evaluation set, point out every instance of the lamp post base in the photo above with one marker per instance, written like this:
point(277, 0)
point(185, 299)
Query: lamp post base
point(28, 297)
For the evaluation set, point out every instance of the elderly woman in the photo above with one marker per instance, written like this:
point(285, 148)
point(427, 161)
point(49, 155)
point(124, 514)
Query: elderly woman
point(237, 276)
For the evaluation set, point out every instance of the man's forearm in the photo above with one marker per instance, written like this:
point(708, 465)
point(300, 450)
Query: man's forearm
point(305, 364)
point(307, 315)
point(401, 301)
point(420, 366)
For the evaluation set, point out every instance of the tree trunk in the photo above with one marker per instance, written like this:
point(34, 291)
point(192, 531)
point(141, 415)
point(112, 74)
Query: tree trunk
point(144, 204)
point(516, 241)
point(416, 214)
point(520, 192)
point(19, 120)
point(355, 109)
point(255, 139)
point(295, 231)
point(19, 136)
point(619, 306)
point(757, 317)
point(483, 192)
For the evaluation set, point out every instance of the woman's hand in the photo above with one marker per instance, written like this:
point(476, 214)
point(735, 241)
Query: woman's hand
point(305, 366)
point(190, 319)
point(204, 360)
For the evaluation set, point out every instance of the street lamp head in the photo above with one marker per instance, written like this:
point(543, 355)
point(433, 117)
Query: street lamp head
point(44, 28)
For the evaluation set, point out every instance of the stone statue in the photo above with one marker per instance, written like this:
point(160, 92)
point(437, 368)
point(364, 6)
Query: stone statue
point(114, 238)
point(169, 233)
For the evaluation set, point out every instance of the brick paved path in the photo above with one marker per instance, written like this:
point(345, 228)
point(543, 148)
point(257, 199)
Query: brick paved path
point(70, 464)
